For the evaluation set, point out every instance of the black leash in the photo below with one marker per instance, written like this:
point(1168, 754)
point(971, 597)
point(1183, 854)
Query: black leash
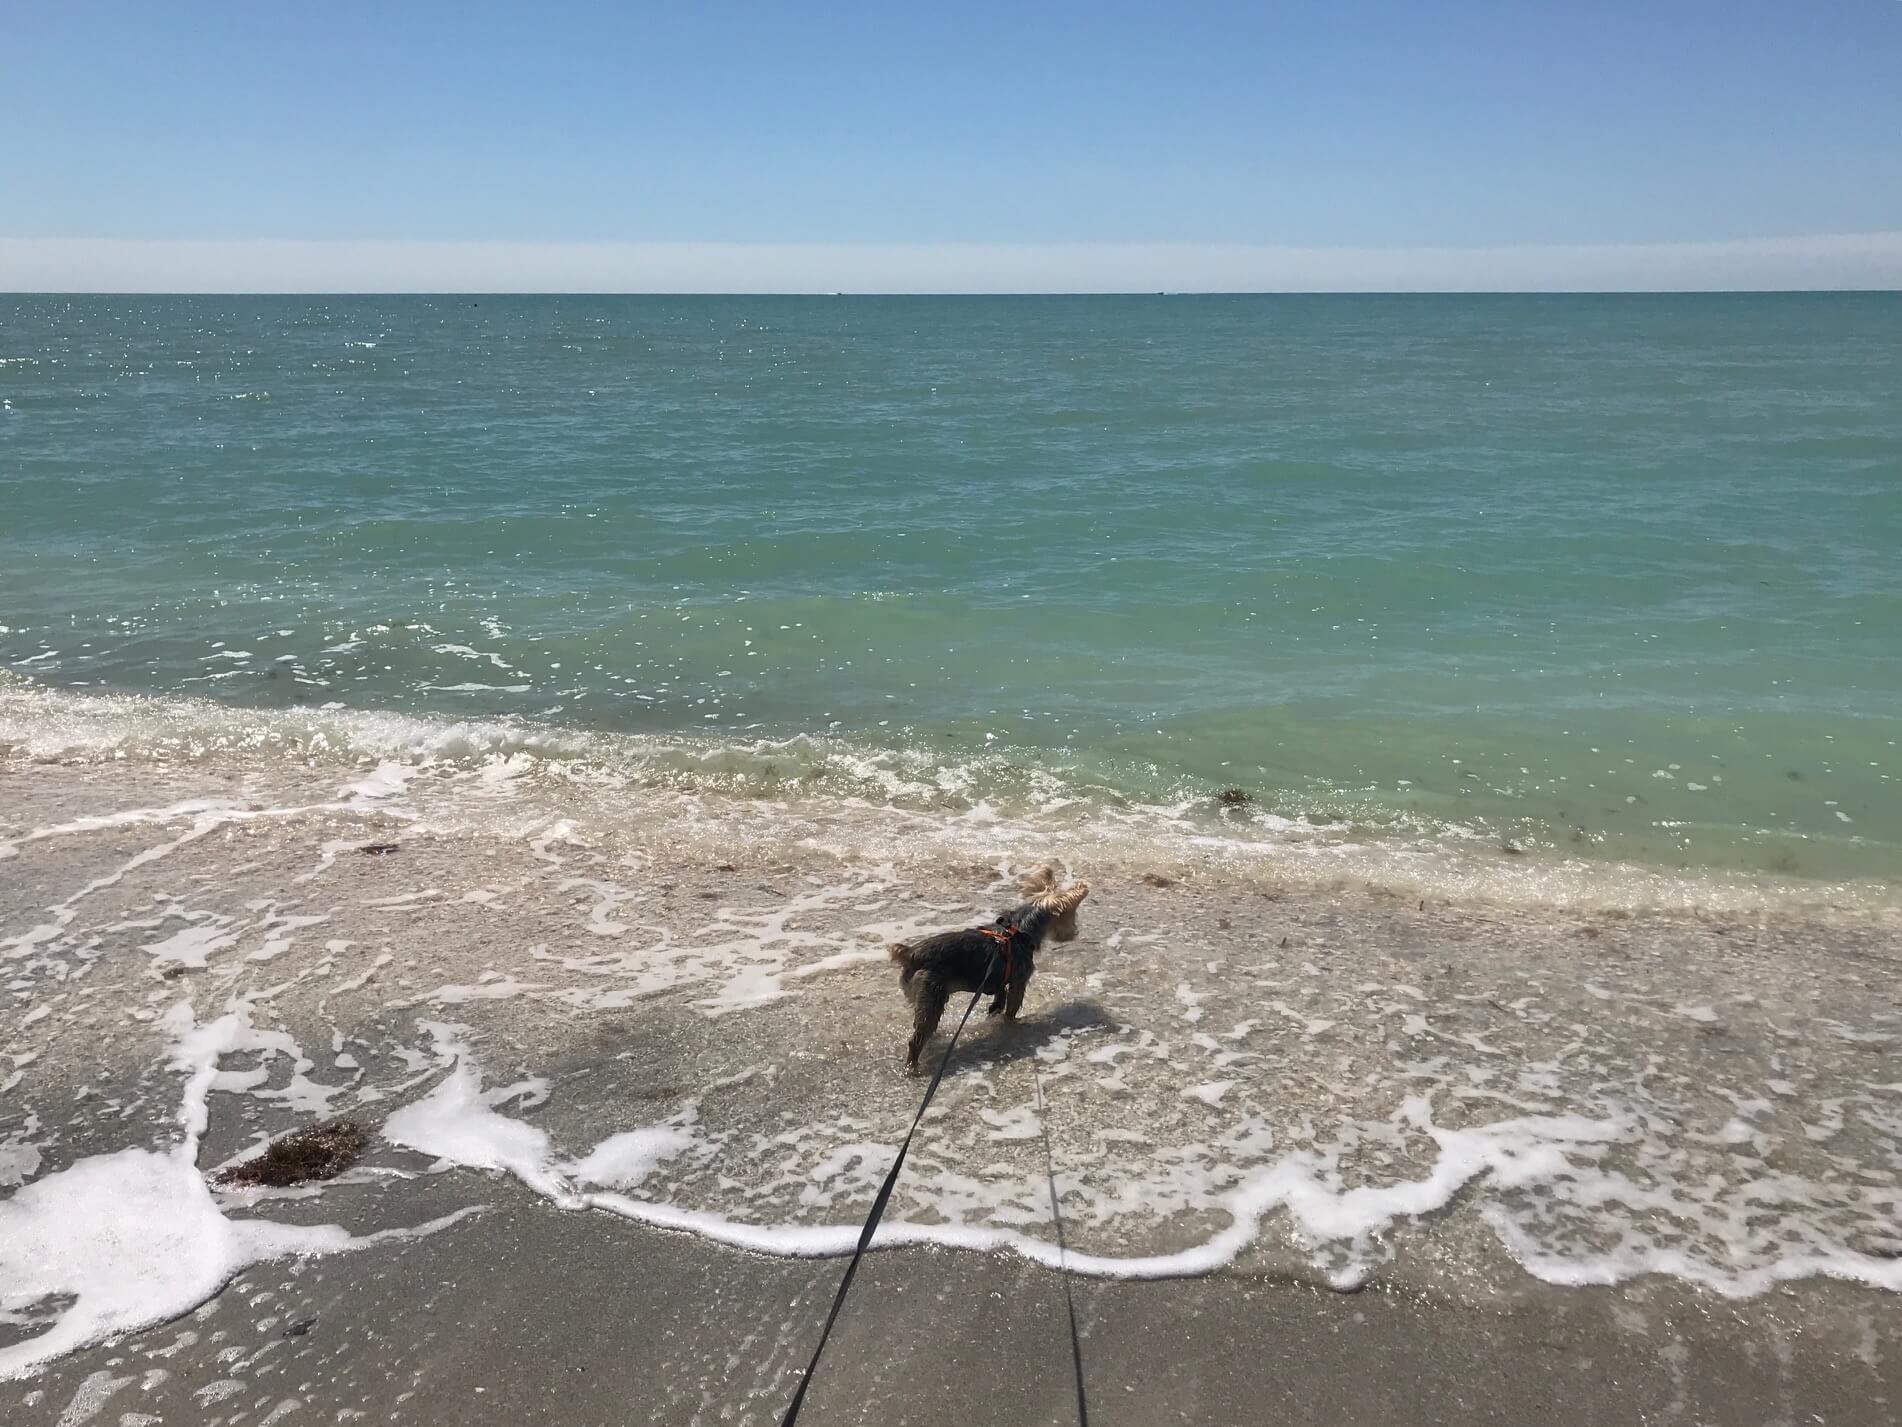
point(878, 1210)
point(1063, 1250)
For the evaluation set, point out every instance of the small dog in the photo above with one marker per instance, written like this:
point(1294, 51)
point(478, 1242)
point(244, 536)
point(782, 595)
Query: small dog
point(934, 968)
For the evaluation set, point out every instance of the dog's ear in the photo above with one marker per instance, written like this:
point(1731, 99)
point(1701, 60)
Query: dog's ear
point(1071, 897)
point(1039, 883)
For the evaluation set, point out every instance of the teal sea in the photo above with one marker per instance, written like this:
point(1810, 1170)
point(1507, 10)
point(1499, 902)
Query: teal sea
point(1616, 579)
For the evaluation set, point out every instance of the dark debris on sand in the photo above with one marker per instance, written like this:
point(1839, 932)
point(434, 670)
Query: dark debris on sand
point(321, 1151)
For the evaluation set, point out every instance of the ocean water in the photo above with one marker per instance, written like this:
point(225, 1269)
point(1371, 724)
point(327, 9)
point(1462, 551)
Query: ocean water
point(1606, 584)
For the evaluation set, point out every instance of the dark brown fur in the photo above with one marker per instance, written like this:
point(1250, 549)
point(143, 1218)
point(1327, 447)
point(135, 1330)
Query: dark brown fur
point(935, 968)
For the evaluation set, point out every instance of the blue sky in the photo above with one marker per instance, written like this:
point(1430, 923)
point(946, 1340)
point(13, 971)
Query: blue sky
point(1306, 125)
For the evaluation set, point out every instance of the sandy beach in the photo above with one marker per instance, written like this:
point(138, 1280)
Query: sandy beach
point(1325, 1151)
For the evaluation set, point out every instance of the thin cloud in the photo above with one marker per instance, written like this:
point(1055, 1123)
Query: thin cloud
point(1833, 261)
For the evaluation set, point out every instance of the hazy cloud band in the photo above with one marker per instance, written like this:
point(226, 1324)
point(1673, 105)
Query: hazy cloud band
point(1859, 261)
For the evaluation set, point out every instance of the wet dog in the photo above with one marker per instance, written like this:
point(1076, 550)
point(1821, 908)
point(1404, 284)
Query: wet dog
point(934, 968)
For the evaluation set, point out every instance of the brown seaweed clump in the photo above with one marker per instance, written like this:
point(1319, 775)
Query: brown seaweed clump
point(321, 1151)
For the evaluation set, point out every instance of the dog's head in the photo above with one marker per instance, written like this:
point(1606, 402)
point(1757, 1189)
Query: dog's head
point(1043, 890)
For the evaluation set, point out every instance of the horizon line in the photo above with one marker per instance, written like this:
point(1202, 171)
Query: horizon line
point(974, 294)
point(1839, 262)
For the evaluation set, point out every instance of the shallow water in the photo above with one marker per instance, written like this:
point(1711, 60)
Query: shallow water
point(1601, 577)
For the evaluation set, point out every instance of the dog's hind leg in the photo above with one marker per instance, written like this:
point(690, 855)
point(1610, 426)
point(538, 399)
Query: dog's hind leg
point(928, 995)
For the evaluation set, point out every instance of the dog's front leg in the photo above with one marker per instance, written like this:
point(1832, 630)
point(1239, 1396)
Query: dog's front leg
point(1015, 1000)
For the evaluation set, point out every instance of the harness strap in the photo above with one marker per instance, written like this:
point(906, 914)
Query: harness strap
point(1003, 936)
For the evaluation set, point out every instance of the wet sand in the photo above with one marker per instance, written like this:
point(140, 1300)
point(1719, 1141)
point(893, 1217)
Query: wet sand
point(526, 1315)
point(1569, 1155)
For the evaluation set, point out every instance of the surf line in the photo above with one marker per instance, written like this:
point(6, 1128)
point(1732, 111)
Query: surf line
point(883, 1198)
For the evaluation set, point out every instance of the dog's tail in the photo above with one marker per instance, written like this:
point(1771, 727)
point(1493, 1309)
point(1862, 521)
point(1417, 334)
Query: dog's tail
point(900, 952)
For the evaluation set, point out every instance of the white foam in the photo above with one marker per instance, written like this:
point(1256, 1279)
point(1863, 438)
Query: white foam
point(1528, 1165)
point(280, 930)
point(135, 1238)
point(493, 987)
point(91, 1397)
point(458, 1123)
point(624, 1160)
point(120, 1241)
point(386, 780)
point(1017, 1123)
point(744, 959)
point(362, 978)
point(194, 945)
point(19, 1154)
point(463, 651)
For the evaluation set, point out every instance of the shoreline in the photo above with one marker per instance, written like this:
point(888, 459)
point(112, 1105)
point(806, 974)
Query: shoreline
point(672, 789)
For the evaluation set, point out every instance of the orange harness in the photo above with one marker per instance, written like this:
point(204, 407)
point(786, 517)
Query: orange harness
point(1002, 936)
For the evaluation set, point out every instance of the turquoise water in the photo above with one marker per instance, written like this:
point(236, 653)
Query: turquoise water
point(1611, 577)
